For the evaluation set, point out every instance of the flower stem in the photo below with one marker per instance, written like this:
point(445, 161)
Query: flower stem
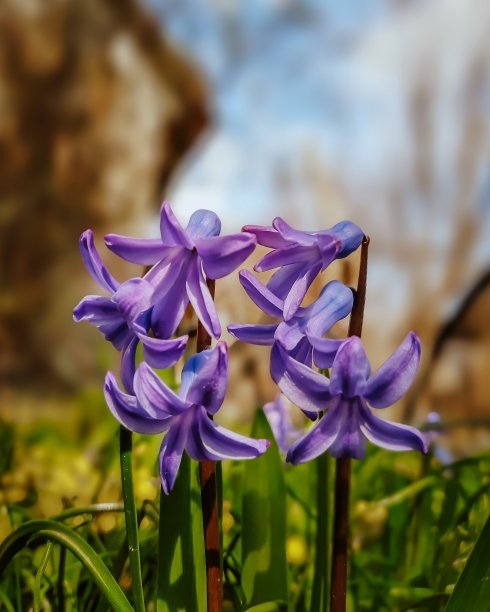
point(338, 581)
point(125, 456)
point(209, 501)
point(319, 596)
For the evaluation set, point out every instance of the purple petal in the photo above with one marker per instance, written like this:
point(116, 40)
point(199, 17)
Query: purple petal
point(292, 254)
point(282, 280)
point(303, 352)
point(133, 297)
point(126, 410)
point(207, 384)
point(145, 252)
point(106, 316)
point(170, 229)
point(203, 224)
point(170, 297)
point(391, 436)
point(285, 433)
point(162, 354)
point(222, 254)
point(299, 289)
point(292, 235)
point(289, 335)
point(154, 396)
point(201, 299)
point(319, 438)
point(212, 442)
point(266, 236)
point(97, 310)
point(328, 246)
point(94, 263)
point(128, 363)
point(350, 369)
point(254, 334)
point(334, 303)
point(170, 454)
point(349, 235)
point(261, 295)
point(389, 383)
point(304, 387)
point(349, 442)
point(324, 351)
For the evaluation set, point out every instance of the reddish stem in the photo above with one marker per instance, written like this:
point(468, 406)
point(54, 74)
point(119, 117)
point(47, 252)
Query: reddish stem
point(338, 580)
point(209, 502)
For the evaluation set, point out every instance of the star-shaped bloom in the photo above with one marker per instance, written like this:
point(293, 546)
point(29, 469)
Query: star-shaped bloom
point(186, 417)
point(348, 421)
point(301, 256)
point(182, 260)
point(123, 316)
point(284, 430)
point(302, 335)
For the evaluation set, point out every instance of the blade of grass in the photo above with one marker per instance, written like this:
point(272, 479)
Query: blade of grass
point(472, 591)
point(40, 575)
point(264, 566)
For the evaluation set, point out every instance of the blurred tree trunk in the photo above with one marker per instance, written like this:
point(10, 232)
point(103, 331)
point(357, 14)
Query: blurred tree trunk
point(96, 112)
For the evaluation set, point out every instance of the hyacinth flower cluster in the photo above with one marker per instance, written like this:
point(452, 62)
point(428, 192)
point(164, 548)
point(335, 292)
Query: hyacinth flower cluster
point(298, 343)
point(148, 310)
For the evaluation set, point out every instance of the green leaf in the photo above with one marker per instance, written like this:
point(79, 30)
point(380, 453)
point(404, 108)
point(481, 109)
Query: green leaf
point(264, 566)
point(46, 530)
point(269, 606)
point(472, 591)
point(182, 563)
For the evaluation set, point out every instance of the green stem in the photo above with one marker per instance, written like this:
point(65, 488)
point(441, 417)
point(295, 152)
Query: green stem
point(40, 575)
point(319, 597)
point(92, 509)
point(61, 580)
point(125, 452)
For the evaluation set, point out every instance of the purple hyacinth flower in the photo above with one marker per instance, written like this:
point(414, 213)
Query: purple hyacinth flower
point(182, 260)
point(301, 256)
point(348, 421)
point(301, 335)
point(123, 316)
point(154, 408)
point(285, 432)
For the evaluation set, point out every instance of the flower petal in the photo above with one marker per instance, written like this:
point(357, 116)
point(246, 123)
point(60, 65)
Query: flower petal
point(170, 455)
point(126, 410)
point(201, 299)
point(207, 378)
point(350, 441)
point(289, 334)
point(171, 231)
point(154, 396)
point(319, 438)
point(292, 235)
point(285, 432)
point(391, 436)
point(94, 263)
point(266, 236)
point(143, 251)
point(350, 369)
point(324, 351)
point(216, 443)
point(349, 235)
point(299, 289)
point(261, 295)
point(170, 297)
point(254, 334)
point(334, 303)
point(203, 224)
point(291, 254)
point(282, 280)
point(133, 297)
point(390, 382)
point(304, 387)
point(162, 354)
point(222, 254)
point(106, 316)
point(128, 363)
